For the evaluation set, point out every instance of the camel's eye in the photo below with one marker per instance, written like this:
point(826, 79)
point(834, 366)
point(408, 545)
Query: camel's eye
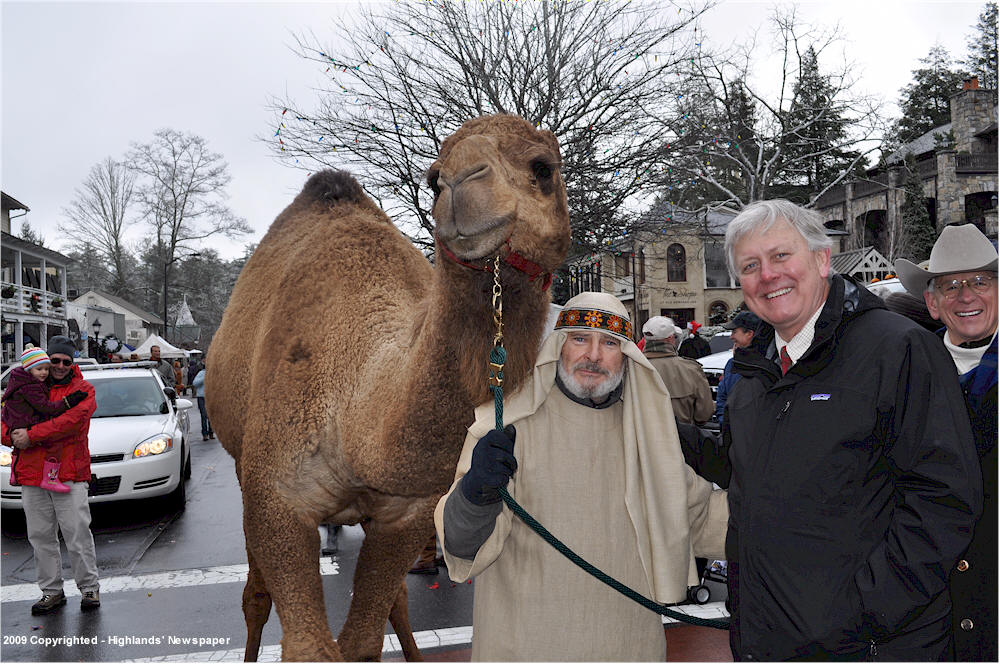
point(541, 170)
point(432, 181)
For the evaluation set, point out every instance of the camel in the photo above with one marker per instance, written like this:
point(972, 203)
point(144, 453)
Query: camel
point(347, 368)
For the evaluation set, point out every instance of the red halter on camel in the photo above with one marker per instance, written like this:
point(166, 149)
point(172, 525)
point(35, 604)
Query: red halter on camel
point(514, 259)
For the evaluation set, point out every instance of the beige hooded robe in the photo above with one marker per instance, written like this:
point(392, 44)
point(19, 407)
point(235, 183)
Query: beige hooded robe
point(613, 486)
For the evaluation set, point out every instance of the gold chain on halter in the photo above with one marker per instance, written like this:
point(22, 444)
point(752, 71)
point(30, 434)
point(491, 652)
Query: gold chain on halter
point(498, 356)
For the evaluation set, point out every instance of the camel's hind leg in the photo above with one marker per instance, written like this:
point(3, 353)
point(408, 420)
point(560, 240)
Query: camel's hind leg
point(256, 609)
point(399, 618)
point(388, 551)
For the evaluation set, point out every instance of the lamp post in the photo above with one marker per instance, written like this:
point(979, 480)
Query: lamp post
point(97, 335)
point(167, 264)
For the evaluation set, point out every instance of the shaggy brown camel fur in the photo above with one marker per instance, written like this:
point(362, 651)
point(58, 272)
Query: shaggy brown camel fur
point(346, 371)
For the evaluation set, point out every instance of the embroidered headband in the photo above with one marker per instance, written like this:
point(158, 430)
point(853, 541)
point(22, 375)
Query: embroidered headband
point(595, 319)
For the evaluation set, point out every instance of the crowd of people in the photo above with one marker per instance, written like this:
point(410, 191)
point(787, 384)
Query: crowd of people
point(852, 492)
point(852, 489)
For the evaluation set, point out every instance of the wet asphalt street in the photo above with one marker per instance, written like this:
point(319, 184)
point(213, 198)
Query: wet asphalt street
point(171, 583)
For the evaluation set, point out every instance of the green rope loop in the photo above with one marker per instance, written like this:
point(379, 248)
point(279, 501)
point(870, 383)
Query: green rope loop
point(601, 576)
point(499, 356)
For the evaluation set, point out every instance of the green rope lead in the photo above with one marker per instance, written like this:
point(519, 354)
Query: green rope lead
point(601, 576)
point(499, 356)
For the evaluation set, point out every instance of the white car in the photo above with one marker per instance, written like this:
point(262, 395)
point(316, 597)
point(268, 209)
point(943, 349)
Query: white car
point(138, 446)
point(713, 365)
point(886, 286)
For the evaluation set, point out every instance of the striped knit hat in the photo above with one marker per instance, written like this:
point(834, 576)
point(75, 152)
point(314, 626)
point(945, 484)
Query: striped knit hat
point(34, 357)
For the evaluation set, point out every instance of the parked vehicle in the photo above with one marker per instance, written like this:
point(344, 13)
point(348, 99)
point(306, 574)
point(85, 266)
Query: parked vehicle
point(886, 286)
point(721, 341)
point(713, 365)
point(138, 447)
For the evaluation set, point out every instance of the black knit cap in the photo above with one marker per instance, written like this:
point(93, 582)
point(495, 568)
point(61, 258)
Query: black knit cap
point(61, 344)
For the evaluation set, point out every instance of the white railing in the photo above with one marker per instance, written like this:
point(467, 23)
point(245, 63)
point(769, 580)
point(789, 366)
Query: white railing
point(25, 300)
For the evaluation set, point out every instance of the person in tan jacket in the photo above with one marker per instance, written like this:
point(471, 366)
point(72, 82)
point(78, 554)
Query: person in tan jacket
point(690, 394)
point(597, 461)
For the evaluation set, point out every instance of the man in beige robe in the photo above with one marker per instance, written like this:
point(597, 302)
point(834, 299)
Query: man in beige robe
point(597, 461)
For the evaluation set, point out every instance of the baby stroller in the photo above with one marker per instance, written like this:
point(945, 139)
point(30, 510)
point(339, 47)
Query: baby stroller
point(714, 577)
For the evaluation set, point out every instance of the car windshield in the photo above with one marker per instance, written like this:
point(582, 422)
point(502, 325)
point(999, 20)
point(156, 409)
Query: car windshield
point(122, 397)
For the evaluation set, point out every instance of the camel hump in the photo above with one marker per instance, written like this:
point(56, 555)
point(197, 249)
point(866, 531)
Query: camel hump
point(331, 187)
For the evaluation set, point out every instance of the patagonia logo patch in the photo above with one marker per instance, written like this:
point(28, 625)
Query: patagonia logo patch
point(819, 397)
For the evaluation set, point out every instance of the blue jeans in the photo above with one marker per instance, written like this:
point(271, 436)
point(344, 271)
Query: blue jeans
point(206, 426)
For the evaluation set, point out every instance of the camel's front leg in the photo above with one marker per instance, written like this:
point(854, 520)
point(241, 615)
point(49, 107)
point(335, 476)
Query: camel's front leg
point(286, 551)
point(388, 551)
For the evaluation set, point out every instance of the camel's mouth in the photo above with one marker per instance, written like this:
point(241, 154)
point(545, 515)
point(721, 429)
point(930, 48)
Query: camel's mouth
point(488, 237)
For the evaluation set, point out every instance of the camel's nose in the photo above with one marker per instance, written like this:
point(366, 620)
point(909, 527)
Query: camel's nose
point(469, 160)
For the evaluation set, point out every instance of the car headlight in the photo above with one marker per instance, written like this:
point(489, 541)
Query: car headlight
point(158, 444)
point(5, 457)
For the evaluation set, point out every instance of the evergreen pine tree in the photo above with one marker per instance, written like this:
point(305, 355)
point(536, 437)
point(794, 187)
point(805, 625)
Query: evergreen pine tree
point(982, 53)
point(925, 103)
point(816, 125)
point(919, 233)
point(30, 235)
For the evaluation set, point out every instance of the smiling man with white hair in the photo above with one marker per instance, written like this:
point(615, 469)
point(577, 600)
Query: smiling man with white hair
point(855, 482)
point(597, 461)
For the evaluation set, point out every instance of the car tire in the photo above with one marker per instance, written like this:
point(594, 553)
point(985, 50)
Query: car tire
point(177, 499)
point(187, 462)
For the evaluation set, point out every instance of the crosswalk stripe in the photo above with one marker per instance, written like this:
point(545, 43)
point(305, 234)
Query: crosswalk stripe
point(707, 610)
point(160, 581)
point(426, 640)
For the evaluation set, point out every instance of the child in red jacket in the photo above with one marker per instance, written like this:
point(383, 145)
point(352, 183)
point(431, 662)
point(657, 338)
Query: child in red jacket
point(26, 403)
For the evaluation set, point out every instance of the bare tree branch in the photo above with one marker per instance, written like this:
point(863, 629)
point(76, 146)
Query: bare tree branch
point(599, 75)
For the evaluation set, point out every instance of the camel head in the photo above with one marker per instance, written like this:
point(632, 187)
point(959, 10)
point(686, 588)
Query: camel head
point(498, 180)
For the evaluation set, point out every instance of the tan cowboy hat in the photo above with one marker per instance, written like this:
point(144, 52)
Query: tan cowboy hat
point(959, 249)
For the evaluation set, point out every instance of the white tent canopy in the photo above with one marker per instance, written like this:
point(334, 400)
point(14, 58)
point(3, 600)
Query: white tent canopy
point(166, 350)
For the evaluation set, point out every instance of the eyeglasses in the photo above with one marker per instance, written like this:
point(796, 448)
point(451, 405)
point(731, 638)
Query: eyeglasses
point(952, 287)
point(56, 362)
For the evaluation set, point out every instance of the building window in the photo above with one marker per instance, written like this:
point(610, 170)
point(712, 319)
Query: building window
point(622, 265)
point(585, 278)
point(642, 266)
point(717, 312)
point(716, 272)
point(676, 263)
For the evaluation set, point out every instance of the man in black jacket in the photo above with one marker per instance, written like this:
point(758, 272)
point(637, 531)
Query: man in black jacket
point(959, 286)
point(855, 481)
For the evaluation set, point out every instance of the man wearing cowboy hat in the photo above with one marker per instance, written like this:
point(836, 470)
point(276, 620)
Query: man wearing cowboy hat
point(959, 285)
point(597, 462)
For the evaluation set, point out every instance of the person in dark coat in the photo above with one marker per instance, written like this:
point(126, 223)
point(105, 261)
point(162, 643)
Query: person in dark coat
point(694, 346)
point(855, 481)
point(959, 287)
point(743, 325)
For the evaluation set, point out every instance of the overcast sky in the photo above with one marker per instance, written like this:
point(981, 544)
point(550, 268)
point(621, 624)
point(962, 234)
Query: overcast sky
point(82, 81)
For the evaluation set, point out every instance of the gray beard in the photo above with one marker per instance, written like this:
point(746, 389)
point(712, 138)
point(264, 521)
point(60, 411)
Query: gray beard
point(596, 393)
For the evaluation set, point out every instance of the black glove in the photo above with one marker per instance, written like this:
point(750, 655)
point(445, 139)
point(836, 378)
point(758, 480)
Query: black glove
point(493, 464)
point(75, 398)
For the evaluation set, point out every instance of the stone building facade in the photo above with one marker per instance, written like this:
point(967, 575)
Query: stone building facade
point(959, 179)
point(679, 272)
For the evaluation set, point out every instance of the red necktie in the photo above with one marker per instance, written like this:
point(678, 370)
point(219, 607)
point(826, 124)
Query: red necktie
point(786, 361)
